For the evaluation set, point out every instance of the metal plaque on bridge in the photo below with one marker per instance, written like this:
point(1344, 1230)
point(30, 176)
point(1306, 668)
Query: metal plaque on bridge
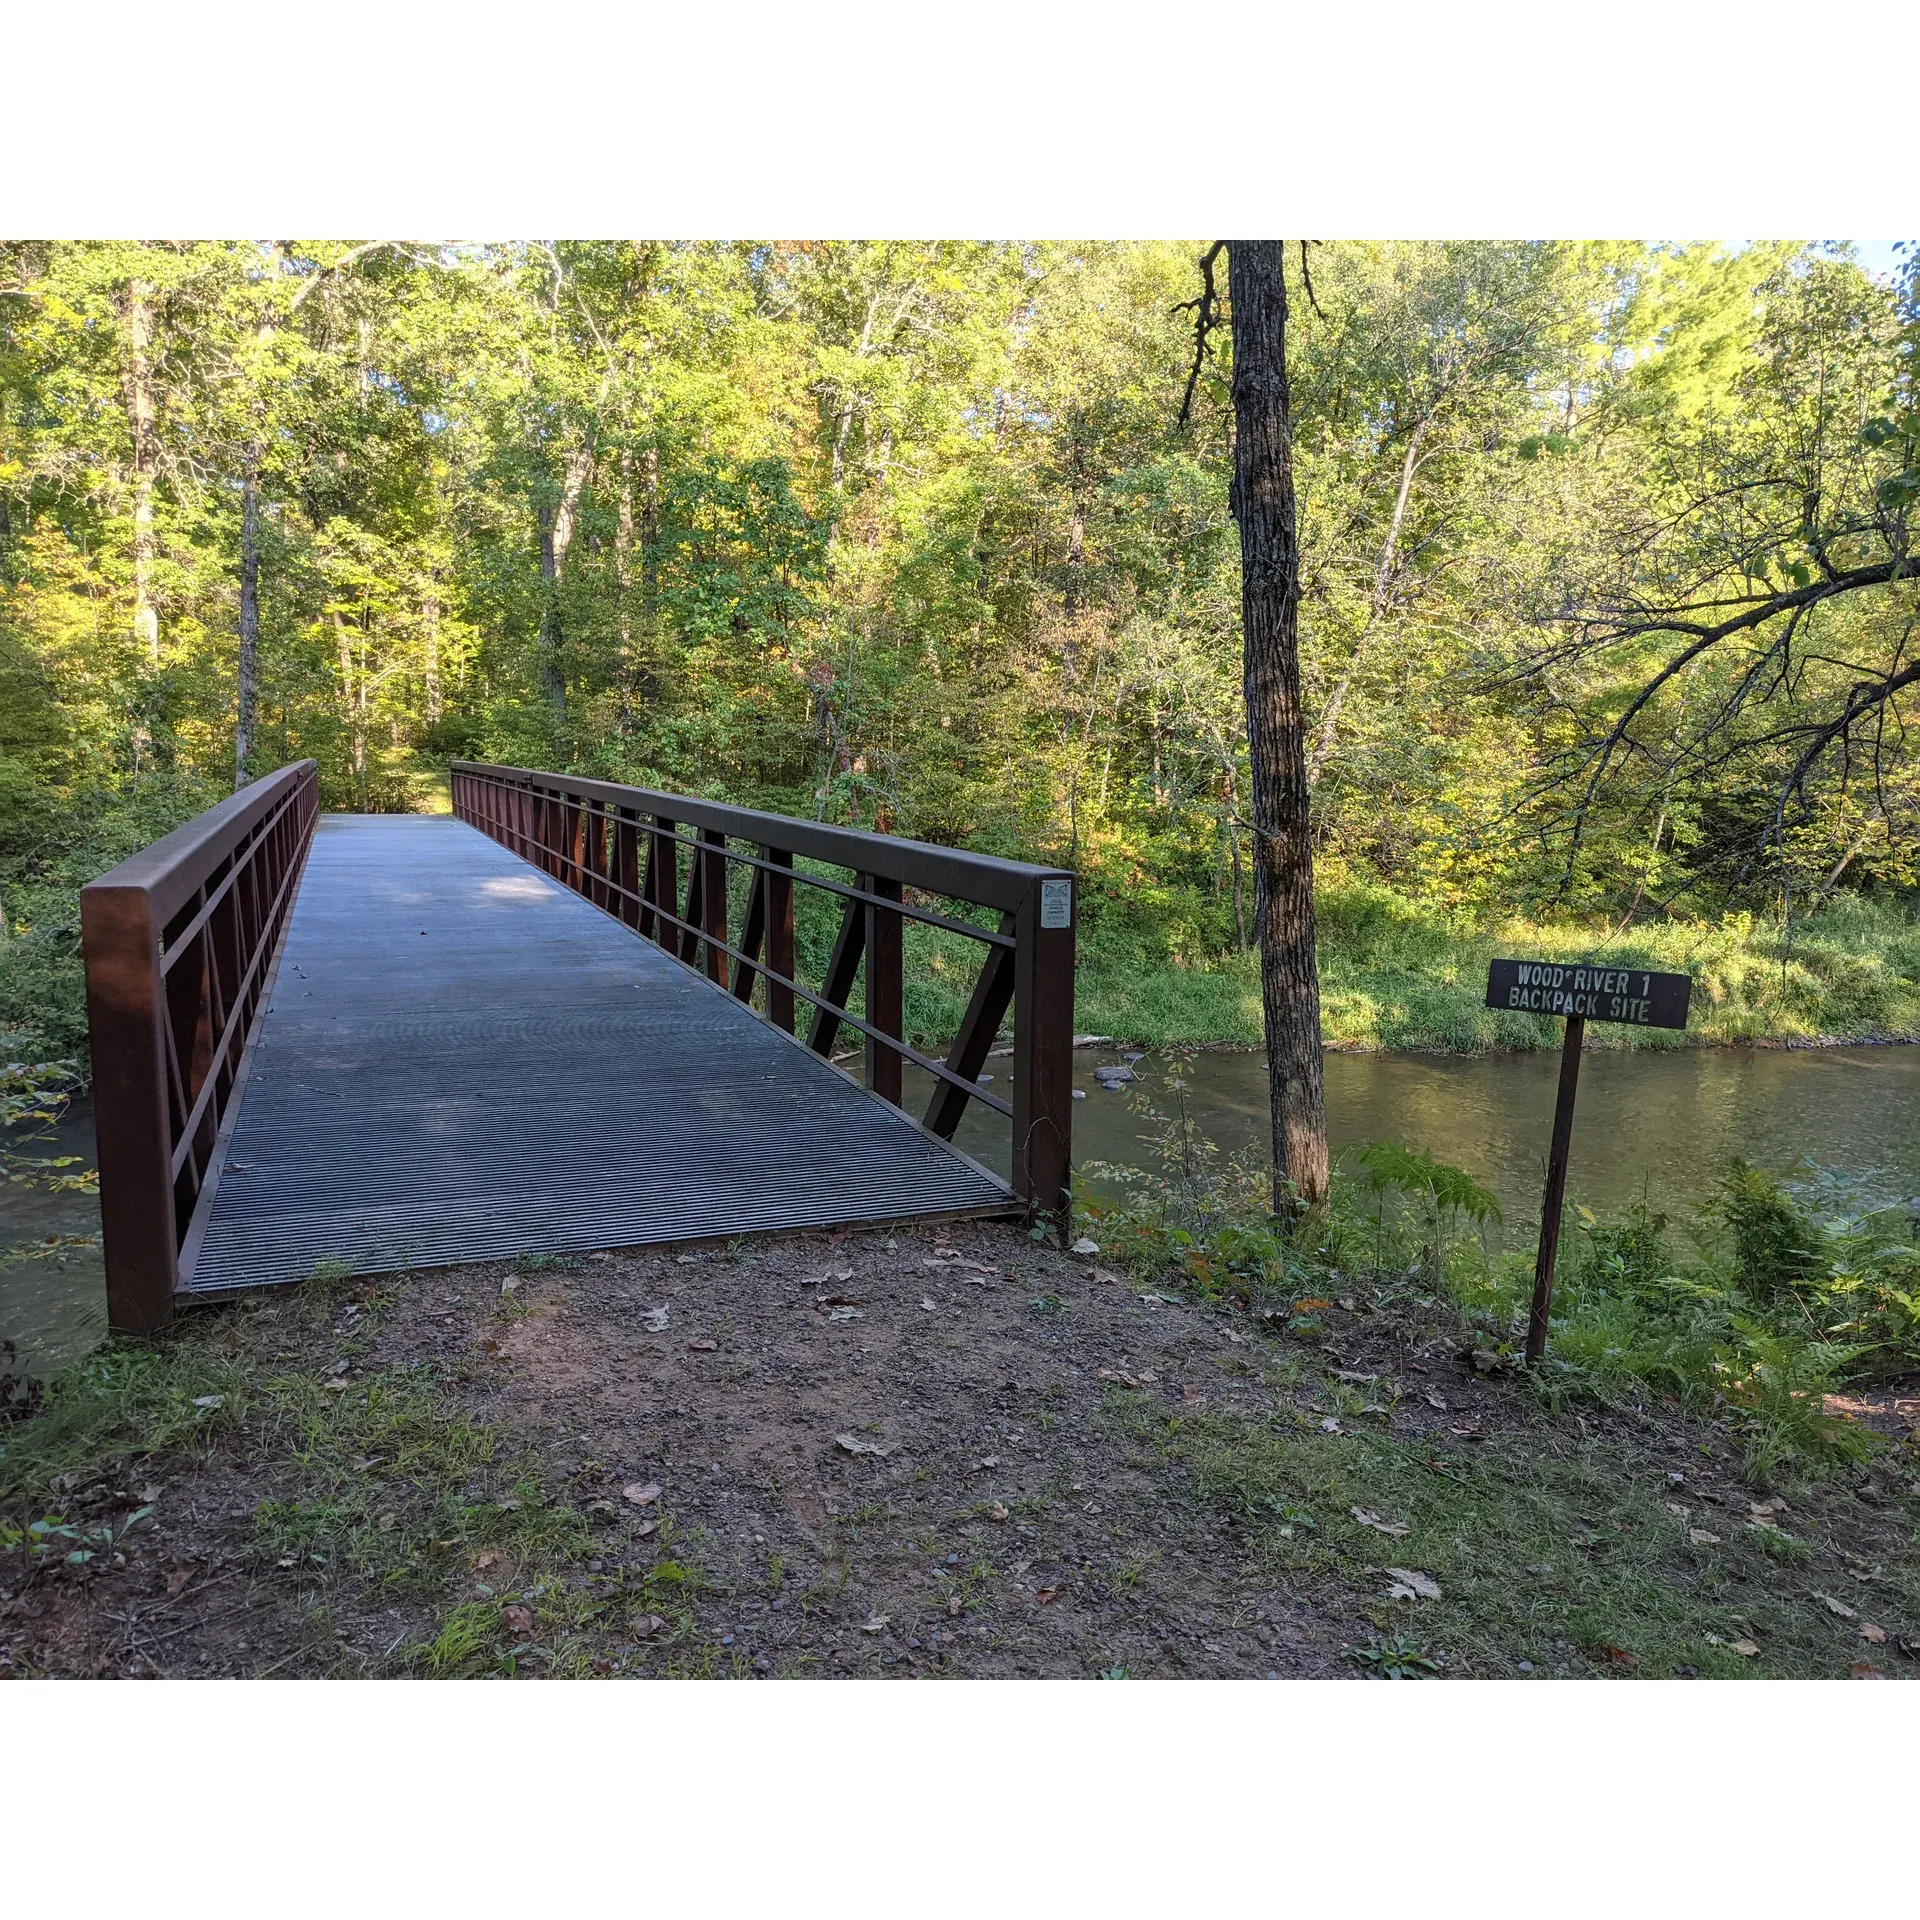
point(1629, 996)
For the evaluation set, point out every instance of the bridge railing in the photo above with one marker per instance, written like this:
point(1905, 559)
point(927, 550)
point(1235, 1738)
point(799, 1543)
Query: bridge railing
point(179, 944)
point(660, 863)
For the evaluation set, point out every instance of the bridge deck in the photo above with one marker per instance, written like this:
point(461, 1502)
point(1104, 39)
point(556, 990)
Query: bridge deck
point(462, 1059)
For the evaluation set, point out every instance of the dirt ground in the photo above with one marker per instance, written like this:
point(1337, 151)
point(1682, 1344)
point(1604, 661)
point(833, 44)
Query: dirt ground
point(884, 1453)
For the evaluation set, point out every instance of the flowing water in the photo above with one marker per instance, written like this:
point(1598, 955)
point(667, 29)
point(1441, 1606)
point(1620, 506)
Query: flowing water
point(1658, 1124)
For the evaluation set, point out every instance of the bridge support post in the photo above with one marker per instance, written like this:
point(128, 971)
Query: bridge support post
point(1043, 1051)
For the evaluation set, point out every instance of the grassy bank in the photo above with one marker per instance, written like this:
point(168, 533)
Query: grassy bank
point(1393, 974)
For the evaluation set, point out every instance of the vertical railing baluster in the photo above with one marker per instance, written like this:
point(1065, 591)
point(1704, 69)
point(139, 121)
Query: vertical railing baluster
point(779, 899)
point(713, 902)
point(884, 989)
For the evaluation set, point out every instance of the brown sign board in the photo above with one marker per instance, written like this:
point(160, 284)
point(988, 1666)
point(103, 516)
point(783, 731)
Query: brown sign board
point(1629, 996)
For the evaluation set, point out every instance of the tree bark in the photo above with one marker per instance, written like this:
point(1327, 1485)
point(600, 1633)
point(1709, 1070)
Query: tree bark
point(249, 668)
point(146, 462)
point(1276, 733)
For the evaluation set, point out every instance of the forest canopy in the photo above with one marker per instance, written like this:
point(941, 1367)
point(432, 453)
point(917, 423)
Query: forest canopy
point(1607, 595)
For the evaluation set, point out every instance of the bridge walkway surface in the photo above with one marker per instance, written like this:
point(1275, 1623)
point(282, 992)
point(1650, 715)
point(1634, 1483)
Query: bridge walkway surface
point(462, 1059)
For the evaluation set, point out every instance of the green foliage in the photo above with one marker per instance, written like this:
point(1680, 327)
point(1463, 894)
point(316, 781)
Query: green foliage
point(1776, 1249)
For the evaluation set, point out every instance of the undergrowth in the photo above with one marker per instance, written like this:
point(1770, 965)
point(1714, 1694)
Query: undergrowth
point(1755, 1309)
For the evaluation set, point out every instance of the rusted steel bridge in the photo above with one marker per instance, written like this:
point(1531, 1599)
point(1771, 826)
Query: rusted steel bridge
point(570, 1016)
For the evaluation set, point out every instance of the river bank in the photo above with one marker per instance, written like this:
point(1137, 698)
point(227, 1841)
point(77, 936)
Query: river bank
point(1396, 977)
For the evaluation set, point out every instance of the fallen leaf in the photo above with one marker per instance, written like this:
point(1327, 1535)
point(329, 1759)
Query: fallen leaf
point(929, 1306)
point(646, 1527)
point(1614, 1656)
point(1485, 1360)
point(991, 1460)
point(387, 1522)
point(1408, 1585)
point(641, 1494)
point(1374, 1406)
point(686, 1260)
point(1310, 1306)
point(510, 1284)
point(1084, 1245)
point(844, 1313)
point(703, 1346)
point(1147, 1379)
point(1046, 1595)
point(1674, 1506)
point(876, 1623)
point(210, 1400)
point(1702, 1538)
point(179, 1577)
point(1434, 1401)
point(1868, 1631)
point(339, 1385)
point(998, 1512)
point(1860, 1670)
point(1836, 1606)
point(1331, 1425)
point(1746, 1649)
point(1760, 1508)
point(648, 1625)
point(953, 1604)
point(491, 1558)
point(1368, 1518)
point(853, 1443)
point(1358, 1379)
point(1104, 1277)
point(656, 1319)
point(519, 1620)
point(1116, 1376)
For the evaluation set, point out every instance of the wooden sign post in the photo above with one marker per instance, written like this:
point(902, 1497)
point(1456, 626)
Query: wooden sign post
point(1626, 996)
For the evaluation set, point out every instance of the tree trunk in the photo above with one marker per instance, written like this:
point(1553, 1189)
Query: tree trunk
point(1384, 577)
point(556, 536)
point(355, 711)
point(249, 674)
point(430, 621)
point(146, 462)
point(1276, 733)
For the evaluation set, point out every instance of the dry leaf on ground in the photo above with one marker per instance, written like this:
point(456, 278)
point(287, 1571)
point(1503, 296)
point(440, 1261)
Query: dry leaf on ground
point(656, 1319)
point(648, 1625)
point(875, 1623)
point(1702, 1538)
point(519, 1620)
point(641, 1495)
point(1368, 1518)
point(853, 1443)
point(1614, 1656)
point(1860, 1670)
point(1746, 1649)
point(1836, 1606)
point(1331, 1425)
point(704, 1346)
point(1408, 1585)
point(1868, 1631)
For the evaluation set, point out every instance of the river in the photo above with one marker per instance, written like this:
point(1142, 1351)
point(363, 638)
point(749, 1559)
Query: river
point(1658, 1124)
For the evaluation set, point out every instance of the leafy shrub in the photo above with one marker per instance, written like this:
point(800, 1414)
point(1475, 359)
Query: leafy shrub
point(1776, 1248)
